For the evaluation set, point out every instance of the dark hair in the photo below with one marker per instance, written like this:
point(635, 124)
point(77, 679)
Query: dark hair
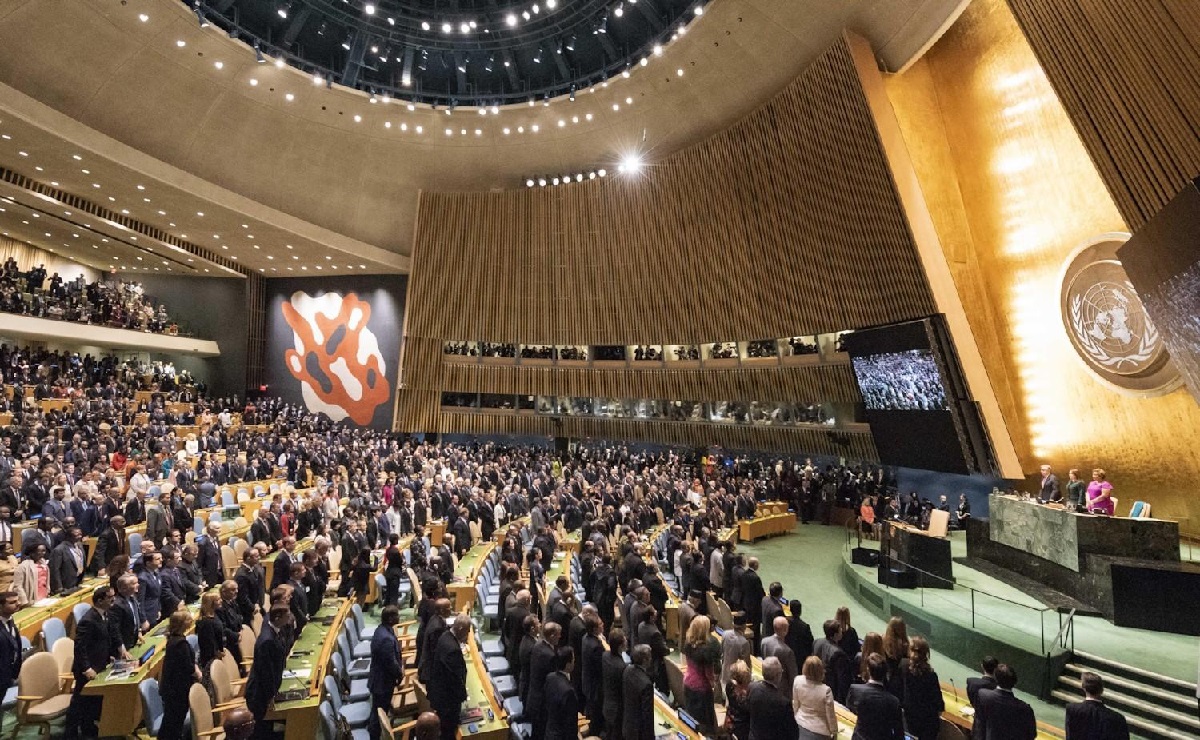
point(563, 657)
point(641, 655)
point(989, 664)
point(6, 595)
point(101, 593)
point(795, 607)
point(918, 656)
point(1093, 685)
point(390, 616)
point(877, 667)
point(616, 641)
point(831, 628)
point(776, 590)
point(1006, 677)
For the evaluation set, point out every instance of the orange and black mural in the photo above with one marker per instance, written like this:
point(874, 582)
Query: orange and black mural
point(333, 346)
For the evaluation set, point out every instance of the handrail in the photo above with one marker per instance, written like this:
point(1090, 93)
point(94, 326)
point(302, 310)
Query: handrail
point(1066, 628)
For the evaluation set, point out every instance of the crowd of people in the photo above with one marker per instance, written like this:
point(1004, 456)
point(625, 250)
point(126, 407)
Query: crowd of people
point(117, 303)
point(901, 381)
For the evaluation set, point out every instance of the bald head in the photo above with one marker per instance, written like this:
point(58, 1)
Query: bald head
point(428, 727)
point(780, 625)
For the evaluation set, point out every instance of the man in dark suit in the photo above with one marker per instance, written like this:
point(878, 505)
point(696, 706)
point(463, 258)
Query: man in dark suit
point(879, 714)
point(1050, 489)
point(448, 680)
point(771, 608)
point(838, 671)
point(1090, 719)
point(10, 641)
point(251, 585)
point(266, 672)
point(151, 587)
point(386, 669)
point(637, 711)
point(462, 533)
point(800, 636)
point(514, 630)
point(437, 623)
point(650, 635)
point(97, 642)
point(110, 544)
point(1000, 715)
point(209, 558)
point(986, 681)
point(299, 600)
point(283, 562)
point(260, 530)
point(562, 703)
point(66, 562)
point(770, 712)
point(541, 664)
point(752, 596)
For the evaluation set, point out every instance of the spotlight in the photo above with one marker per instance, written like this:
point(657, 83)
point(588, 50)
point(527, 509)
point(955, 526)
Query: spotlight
point(699, 10)
point(555, 181)
point(619, 10)
point(369, 8)
point(511, 19)
point(602, 173)
point(630, 164)
point(529, 183)
point(447, 28)
point(541, 182)
point(258, 55)
point(346, 42)
point(283, 10)
point(465, 28)
point(424, 25)
point(551, 4)
point(571, 43)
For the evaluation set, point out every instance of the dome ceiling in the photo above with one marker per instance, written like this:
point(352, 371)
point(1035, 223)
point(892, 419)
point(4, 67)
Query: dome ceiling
point(455, 52)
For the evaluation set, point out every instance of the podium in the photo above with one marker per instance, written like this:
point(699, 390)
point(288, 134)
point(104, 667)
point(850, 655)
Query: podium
point(907, 549)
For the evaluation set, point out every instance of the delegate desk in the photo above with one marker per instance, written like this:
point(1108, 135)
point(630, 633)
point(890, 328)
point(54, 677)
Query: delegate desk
point(30, 619)
point(491, 722)
point(268, 562)
point(750, 530)
point(305, 672)
point(466, 575)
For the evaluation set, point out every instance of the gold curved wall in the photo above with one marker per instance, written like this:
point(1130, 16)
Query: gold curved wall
point(1013, 191)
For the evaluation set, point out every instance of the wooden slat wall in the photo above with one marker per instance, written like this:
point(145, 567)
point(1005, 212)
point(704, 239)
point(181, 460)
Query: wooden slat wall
point(786, 223)
point(1126, 73)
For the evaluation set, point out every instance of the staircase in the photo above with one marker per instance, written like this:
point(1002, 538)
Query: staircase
point(1157, 707)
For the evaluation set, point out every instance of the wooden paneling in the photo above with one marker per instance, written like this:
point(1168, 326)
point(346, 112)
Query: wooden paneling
point(1126, 73)
point(786, 223)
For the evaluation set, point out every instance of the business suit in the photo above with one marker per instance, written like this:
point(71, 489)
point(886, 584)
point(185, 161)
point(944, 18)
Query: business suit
point(66, 567)
point(562, 708)
point(770, 609)
point(974, 685)
point(838, 669)
point(1050, 490)
point(178, 675)
point(109, 544)
point(591, 673)
point(1092, 720)
point(10, 655)
point(448, 683)
point(773, 647)
point(260, 531)
point(514, 630)
point(770, 711)
point(151, 590)
point(158, 524)
point(209, 560)
point(613, 670)
point(541, 664)
point(637, 710)
point(250, 591)
point(282, 571)
point(25, 581)
point(385, 676)
point(922, 703)
point(128, 617)
point(266, 672)
point(97, 642)
point(999, 715)
point(649, 634)
point(752, 596)
point(879, 714)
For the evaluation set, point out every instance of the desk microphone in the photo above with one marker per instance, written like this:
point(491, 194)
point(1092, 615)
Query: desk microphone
point(953, 686)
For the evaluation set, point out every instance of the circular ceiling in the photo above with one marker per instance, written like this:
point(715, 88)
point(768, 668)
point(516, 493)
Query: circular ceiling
point(455, 52)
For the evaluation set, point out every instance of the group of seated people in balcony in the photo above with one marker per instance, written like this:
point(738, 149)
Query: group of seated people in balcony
point(117, 303)
point(762, 348)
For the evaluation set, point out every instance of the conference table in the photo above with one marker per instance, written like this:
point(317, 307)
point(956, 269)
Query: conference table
point(770, 525)
point(466, 575)
point(492, 724)
point(304, 672)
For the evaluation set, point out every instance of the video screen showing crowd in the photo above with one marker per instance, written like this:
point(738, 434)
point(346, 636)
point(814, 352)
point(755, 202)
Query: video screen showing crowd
point(901, 381)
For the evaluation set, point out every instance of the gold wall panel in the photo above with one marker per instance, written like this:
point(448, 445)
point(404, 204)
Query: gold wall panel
point(1013, 192)
point(1126, 73)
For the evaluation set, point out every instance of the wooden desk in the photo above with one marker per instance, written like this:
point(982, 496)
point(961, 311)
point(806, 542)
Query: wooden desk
point(301, 716)
point(480, 694)
point(437, 530)
point(665, 715)
point(767, 508)
point(750, 530)
point(56, 404)
point(268, 562)
point(466, 575)
point(30, 619)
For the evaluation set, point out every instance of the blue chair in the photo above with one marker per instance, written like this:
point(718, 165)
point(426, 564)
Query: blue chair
point(152, 708)
point(198, 524)
point(135, 543)
point(227, 498)
point(79, 611)
point(155, 492)
point(53, 629)
point(329, 721)
point(364, 632)
point(505, 687)
point(356, 714)
point(194, 641)
point(358, 687)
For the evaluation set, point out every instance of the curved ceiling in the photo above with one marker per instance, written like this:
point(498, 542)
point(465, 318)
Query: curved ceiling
point(185, 100)
point(464, 53)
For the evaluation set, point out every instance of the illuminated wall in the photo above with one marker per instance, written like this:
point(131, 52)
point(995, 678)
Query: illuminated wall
point(1013, 192)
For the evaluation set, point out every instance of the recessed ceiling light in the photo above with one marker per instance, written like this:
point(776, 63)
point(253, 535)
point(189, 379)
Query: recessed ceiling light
point(219, 65)
point(253, 82)
point(357, 118)
point(96, 185)
point(162, 213)
point(181, 43)
point(289, 246)
point(143, 17)
point(279, 64)
point(200, 214)
point(76, 157)
point(141, 187)
point(6, 137)
point(289, 97)
point(23, 154)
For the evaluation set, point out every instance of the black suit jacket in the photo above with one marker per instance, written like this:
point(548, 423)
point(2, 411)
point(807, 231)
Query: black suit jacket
point(209, 560)
point(260, 531)
point(752, 596)
point(63, 572)
point(1001, 716)
point(975, 684)
point(266, 673)
point(771, 715)
point(10, 659)
point(879, 713)
point(448, 677)
point(282, 572)
point(1092, 720)
point(562, 708)
point(97, 641)
point(541, 664)
point(637, 715)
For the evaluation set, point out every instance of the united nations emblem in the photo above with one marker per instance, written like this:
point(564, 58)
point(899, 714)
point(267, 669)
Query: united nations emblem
point(1107, 324)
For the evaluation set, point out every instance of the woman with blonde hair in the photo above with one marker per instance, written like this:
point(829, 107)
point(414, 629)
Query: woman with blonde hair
point(737, 691)
point(702, 653)
point(895, 649)
point(873, 643)
point(812, 701)
point(179, 672)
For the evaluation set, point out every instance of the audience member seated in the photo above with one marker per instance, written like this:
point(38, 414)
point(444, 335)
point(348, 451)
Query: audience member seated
point(723, 351)
point(762, 348)
point(802, 346)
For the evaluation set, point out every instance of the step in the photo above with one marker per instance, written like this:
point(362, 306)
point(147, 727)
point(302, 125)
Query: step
point(1137, 725)
point(1116, 667)
point(1144, 709)
point(1126, 686)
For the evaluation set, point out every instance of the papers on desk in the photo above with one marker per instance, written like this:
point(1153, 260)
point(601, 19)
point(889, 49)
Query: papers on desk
point(48, 601)
point(123, 669)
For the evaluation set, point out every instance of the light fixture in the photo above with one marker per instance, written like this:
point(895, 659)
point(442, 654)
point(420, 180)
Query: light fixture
point(283, 10)
point(424, 25)
point(699, 10)
point(447, 28)
point(181, 43)
point(200, 16)
point(143, 17)
point(369, 8)
point(511, 19)
point(258, 55)
point(219, 65)
point(619, 10)
point(630, 164)
point(279, 63)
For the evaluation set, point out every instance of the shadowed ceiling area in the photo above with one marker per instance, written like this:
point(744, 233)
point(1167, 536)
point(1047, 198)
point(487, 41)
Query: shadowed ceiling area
point(144, 87)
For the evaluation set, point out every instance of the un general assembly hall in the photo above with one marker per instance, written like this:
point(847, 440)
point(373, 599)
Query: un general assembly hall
point(600, 369)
